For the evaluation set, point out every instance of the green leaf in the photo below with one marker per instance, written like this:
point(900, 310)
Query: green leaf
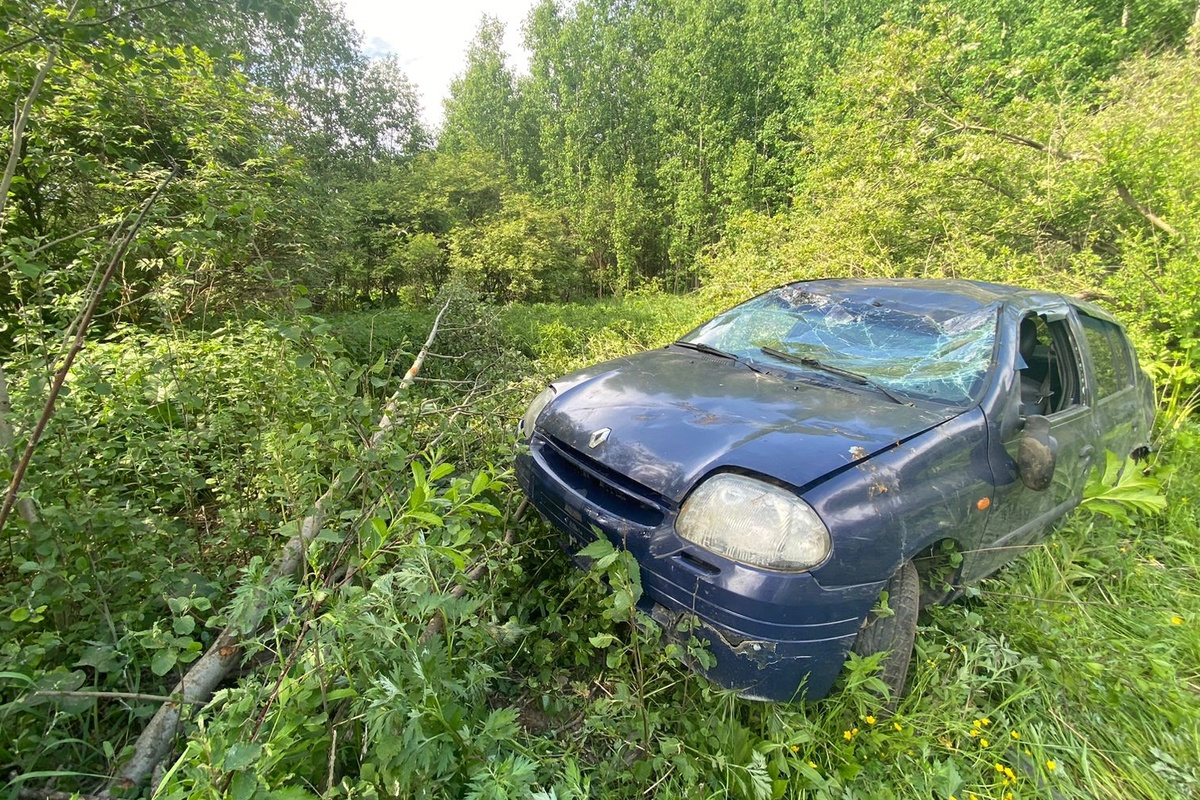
point(243, 785)
point(602, 640)
point(29, 269)
point(241, 755)
point(427, 517)
point(598, 549)
point(19, 614)
point(163, 662)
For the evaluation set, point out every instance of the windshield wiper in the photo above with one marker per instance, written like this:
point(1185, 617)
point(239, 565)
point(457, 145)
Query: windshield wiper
point(853, 377)
point(713, 351)
point(705, 348)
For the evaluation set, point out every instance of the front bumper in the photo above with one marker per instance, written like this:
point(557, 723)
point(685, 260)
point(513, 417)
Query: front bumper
point(774, 636)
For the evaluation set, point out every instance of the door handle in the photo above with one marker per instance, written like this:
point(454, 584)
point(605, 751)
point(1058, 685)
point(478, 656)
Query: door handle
point(1086, 452)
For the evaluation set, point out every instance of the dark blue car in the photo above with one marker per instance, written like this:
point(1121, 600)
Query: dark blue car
point(779, 469)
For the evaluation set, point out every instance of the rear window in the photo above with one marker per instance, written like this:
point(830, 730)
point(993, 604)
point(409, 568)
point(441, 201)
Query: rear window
point(1110, 356)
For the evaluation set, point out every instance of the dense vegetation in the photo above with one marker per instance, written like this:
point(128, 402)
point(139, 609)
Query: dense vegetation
point(226, 235)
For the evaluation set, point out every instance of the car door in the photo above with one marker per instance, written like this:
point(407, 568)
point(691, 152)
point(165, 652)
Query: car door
point(1019, 516)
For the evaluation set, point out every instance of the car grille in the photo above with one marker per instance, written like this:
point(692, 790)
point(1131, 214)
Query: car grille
point(611, 491)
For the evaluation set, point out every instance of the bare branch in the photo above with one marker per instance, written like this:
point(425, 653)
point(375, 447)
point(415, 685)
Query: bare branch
point(149, 698)
point(1150, 216)
point(1024, 141)
point(81, 330)
point(18, 134)
point(968, 127)
point(67, 238)
point(438, 622)
point(419, 361)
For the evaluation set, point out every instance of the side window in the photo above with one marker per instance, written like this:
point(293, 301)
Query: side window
point(1049, 366)
point(1110, 357)
point(1122, 357)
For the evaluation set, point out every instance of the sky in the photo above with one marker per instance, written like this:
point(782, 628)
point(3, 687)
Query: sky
point(431, 38)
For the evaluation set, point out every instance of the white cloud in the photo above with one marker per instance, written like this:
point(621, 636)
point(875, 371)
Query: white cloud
point(431, 38)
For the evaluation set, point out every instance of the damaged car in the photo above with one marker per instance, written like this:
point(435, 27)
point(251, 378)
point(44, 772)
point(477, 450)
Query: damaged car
point(798, 475)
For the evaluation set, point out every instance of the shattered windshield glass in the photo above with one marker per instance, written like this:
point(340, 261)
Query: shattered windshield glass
point(924, 354)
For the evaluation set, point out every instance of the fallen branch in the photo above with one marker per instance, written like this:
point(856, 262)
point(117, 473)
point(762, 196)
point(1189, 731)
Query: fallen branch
point(201, 680)
point(438, 622)
point(150, 698)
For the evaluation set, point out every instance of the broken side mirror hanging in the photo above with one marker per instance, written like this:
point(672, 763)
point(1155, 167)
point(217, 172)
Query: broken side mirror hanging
point(1037, 453)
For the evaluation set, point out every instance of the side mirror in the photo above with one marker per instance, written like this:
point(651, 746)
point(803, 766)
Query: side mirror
point(1037, 453)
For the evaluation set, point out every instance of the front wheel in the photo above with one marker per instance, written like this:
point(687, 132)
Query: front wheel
point(893, 631)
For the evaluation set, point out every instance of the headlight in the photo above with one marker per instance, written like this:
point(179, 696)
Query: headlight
point(525, 426)
point(755, 523)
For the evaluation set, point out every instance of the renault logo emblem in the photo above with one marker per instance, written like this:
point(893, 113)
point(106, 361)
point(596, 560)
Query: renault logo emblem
point(599, 437)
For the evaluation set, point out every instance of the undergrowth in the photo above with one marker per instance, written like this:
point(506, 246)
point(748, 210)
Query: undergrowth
point(386, 671)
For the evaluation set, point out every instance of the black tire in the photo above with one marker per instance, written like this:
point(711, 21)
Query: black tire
point(894, 633)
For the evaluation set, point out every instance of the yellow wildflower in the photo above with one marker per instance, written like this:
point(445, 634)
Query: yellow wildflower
point(812, 764)
point(1176, 620)
point(870, 719)
point(1051, 765)
point(897, 726)
point(974, 732)
point(999, 767)
point(795, 748)
point(986, 722)
point(1014, 735)
point(983, 742)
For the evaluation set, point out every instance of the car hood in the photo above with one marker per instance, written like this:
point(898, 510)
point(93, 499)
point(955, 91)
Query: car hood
point(674, 416)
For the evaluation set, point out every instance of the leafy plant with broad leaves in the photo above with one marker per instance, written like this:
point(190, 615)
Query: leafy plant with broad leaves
point(1121, 488)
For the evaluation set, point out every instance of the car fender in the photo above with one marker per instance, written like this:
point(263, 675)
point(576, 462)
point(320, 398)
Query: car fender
point(888, 508)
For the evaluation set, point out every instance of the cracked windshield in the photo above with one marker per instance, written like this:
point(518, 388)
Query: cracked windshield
point(925, 354)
